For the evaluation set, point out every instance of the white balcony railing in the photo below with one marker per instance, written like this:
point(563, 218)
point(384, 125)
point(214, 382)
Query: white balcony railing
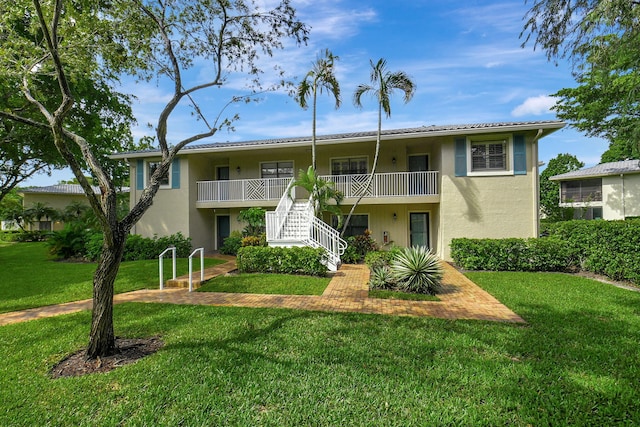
point(394, 184)
point(242, 190)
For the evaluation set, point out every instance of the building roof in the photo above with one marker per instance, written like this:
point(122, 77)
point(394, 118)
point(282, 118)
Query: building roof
point(549, 126)
point(603, 169)
point(71, 189)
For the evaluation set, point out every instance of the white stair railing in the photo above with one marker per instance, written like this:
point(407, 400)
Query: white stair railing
point(171, 249)
point(201, 250)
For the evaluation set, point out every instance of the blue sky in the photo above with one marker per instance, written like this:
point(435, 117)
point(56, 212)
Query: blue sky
point(465, 57)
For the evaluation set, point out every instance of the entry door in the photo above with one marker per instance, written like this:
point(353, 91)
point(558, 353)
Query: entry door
point(223, 229)
point(419, 228)
point(417, 183)
point(222, 174)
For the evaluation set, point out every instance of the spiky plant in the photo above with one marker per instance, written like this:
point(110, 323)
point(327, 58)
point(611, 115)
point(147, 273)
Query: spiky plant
point(417, 270)
point(381, 278)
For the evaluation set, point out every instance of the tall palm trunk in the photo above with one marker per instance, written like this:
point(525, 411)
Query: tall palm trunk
point(371, 176)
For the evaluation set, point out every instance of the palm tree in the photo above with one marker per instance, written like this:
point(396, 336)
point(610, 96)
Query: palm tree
point(383, 84)
point(321, 77)
point(321, 191)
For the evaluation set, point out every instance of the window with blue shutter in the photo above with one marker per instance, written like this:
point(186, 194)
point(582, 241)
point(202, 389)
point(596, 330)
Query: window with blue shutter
point(461, 157)
point(175, 174)
point(519, 155)
point(139, 175)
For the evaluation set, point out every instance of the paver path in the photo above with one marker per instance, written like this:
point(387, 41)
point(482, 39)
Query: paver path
point(347, 292)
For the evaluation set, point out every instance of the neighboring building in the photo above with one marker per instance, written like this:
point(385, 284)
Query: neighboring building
point(57, 197)
point(432, 184)
point(606, 191)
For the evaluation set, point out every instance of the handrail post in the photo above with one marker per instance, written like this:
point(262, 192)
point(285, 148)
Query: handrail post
point(201, 250)
point(161, 258)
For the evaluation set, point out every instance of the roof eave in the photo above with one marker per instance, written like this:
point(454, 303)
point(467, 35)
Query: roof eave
point(549, 127)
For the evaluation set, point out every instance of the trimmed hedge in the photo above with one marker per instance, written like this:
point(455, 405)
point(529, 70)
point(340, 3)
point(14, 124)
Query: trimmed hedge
point(545, 254)
point(611, 248)
point(139, 248)
point(260, 259)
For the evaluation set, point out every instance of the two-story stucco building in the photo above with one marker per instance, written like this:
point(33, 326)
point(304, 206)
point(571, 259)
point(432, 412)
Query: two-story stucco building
point(605, 191)
point(432, 183)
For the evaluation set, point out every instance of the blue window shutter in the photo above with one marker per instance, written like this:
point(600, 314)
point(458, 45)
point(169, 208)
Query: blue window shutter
point(461, 157)
point(519, 155)
point(139, 175)
point(175, 173)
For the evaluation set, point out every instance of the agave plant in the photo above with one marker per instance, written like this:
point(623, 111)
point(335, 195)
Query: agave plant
point(381, 278)
point(417, 270)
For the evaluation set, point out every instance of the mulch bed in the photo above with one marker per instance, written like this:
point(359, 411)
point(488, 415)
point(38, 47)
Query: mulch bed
point(127, 351)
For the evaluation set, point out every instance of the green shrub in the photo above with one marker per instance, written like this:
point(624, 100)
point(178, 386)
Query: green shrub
point(70, 242)
point(32, 236)
point(611, 248)
point(358, 247)
point(543, 254)
point(9, 235)
point(417, 270)
point(231, 244)
point(380, 258)
point(139, 248)
point(296, 260)
point(260, 240)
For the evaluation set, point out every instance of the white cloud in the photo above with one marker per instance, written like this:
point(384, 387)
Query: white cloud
point(536, 106)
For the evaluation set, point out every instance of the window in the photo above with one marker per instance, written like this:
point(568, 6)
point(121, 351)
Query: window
point(152, 167)
point(44, 225)
point(488, 156)
point(276, 170)
point(357, 224)
point(581, 191)
point(349, 166)
point(587, 213)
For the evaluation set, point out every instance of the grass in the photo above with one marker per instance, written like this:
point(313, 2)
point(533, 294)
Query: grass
point(255, 283)
point(574, 363)
point(30, 278)
point(387, 294)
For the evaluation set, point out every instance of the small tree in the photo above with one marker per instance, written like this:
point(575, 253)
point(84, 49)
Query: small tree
point(383, 84)
point(321, 192)
point(550, 190)
point(255, 219)
point(71, 45)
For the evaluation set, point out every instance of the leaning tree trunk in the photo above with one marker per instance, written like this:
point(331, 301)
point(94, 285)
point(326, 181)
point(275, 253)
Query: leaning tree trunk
point(102, 338)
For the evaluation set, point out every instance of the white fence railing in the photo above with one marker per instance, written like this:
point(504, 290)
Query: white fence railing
point(242, 190)
point(394, 184)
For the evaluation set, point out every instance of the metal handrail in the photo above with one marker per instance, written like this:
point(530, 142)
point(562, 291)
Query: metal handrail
point(160, 259)
point(201, 250)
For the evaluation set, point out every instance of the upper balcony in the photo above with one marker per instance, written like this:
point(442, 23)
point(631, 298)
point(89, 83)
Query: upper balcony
point(395, 187)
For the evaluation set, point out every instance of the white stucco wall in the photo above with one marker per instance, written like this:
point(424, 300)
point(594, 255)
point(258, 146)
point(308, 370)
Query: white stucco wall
point(487, 206)
point(620, 196)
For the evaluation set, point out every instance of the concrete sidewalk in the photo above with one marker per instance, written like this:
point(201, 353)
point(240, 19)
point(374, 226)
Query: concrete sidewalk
point(347, 292)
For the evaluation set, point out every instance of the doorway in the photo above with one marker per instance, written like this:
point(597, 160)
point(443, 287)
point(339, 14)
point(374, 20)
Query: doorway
point(222, 174)
point(223, 229)
point(417, 183)
point(419, 229)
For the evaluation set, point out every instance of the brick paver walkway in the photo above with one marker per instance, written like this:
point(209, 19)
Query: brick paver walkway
point(347, 292)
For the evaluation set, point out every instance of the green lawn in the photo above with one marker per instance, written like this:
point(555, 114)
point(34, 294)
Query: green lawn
point(30, 278)
point(255, 283)
point(574, 363)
